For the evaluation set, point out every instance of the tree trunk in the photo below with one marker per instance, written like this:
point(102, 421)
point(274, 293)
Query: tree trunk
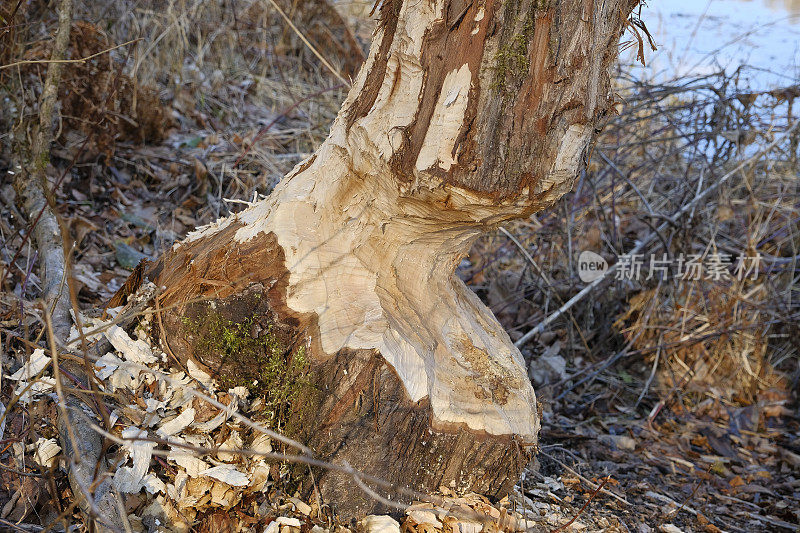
point(335, 299)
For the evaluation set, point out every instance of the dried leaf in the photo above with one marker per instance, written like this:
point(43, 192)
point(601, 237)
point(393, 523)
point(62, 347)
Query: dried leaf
point(46, 451)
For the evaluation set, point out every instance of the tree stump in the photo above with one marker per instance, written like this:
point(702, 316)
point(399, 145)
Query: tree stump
point(335, 299)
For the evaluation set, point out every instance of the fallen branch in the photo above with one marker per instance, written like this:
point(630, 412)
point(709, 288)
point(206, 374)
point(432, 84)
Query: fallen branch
point(66, 61)
point(586, 480)
point(583, 508)
point(31, 184)
point(82, 447)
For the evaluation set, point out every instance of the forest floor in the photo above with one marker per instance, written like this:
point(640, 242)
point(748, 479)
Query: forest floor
point(670, 399)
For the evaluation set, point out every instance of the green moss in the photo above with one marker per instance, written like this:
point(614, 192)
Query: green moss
point(258, 360)
point(44, 160)
point(512, 61)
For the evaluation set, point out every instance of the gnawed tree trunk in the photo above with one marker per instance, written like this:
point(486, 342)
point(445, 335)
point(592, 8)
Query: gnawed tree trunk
point(335, 298)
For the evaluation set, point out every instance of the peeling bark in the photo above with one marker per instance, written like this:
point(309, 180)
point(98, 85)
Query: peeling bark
point(465, 115)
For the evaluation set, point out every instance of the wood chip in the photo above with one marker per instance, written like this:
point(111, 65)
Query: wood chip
point(37, 362)
point(130, 479)
point(177, 424)
point(228, 474)
point(380, 524)
point(135, 351)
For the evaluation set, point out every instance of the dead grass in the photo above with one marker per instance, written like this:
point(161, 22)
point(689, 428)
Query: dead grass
point(717, 333)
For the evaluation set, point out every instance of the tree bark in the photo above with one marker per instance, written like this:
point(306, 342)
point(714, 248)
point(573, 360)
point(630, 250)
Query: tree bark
point(335, 298)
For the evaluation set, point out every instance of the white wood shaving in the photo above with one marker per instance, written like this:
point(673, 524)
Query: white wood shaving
point(302, 507)
point(259, 476)
point(214, 423)
point(130, 479)
point(224, 495)
point(233, 442)
point(262, 444)
point(228, 474)
point(37, 362)
point(198, 374)
point(38, 387)
point(187, 460)
point(177, 424)
point(124, 377)
point(106, 365)
point(426, 518)
point(135, 351)
point(380, 524)
point(153, 484)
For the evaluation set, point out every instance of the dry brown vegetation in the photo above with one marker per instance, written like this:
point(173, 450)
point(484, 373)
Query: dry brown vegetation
point(679, 395)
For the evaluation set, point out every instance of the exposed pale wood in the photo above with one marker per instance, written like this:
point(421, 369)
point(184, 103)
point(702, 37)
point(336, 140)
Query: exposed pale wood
point(465, 115)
